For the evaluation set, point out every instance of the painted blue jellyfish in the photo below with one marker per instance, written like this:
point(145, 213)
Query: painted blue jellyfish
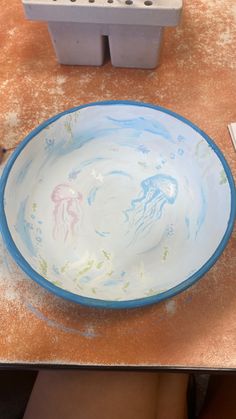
point(156, 192)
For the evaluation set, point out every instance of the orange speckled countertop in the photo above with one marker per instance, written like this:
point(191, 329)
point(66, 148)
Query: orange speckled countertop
point(196, 78)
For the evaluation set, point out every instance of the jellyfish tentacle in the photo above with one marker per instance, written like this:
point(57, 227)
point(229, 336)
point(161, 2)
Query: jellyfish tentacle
point(58, 217)
point(156, 192)
point(55, 214)
point(66, 210)
point(133, 203)
point(73, 213)
point(150, 209)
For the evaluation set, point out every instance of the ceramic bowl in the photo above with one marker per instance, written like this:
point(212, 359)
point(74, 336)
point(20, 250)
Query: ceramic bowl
point(116, 204)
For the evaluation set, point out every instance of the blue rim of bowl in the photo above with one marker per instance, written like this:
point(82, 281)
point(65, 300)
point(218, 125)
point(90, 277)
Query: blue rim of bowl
point(92, 302)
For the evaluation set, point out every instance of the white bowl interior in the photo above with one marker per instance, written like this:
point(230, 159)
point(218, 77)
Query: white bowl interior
point(117, 202)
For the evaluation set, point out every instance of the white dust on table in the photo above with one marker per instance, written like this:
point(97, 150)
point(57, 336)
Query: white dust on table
point(12, 119)
point(12, 32)
point(10, 122)
point(170, 307)
point(8, 287)
point(22, 297)
point(61, 80)
point(214, 23)
point(56, 91)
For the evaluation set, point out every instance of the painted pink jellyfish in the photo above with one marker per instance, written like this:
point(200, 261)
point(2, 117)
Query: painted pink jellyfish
point(67, 211)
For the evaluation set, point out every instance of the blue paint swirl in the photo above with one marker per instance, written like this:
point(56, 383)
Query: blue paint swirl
point(74, 173)
point(23, 172)
point(92, 195)
point(143, 124)
point(138, 125)
point(202, 213)
point(119, 173)
point(187, 223)
point(102, 233)
point(111, 282)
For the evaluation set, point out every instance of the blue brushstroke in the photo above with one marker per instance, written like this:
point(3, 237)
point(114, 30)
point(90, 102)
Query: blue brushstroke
point(187, 222)
point(74, 173)
point(122, 273)
point(52, 323)
point(156, 192)
point(23, 172)
point(202, 213)
point(119, 173)
point(22, 227)
point(143, 124)
point(63, 147)
point(92, 195)
point(103, 233)
point(111, 282)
